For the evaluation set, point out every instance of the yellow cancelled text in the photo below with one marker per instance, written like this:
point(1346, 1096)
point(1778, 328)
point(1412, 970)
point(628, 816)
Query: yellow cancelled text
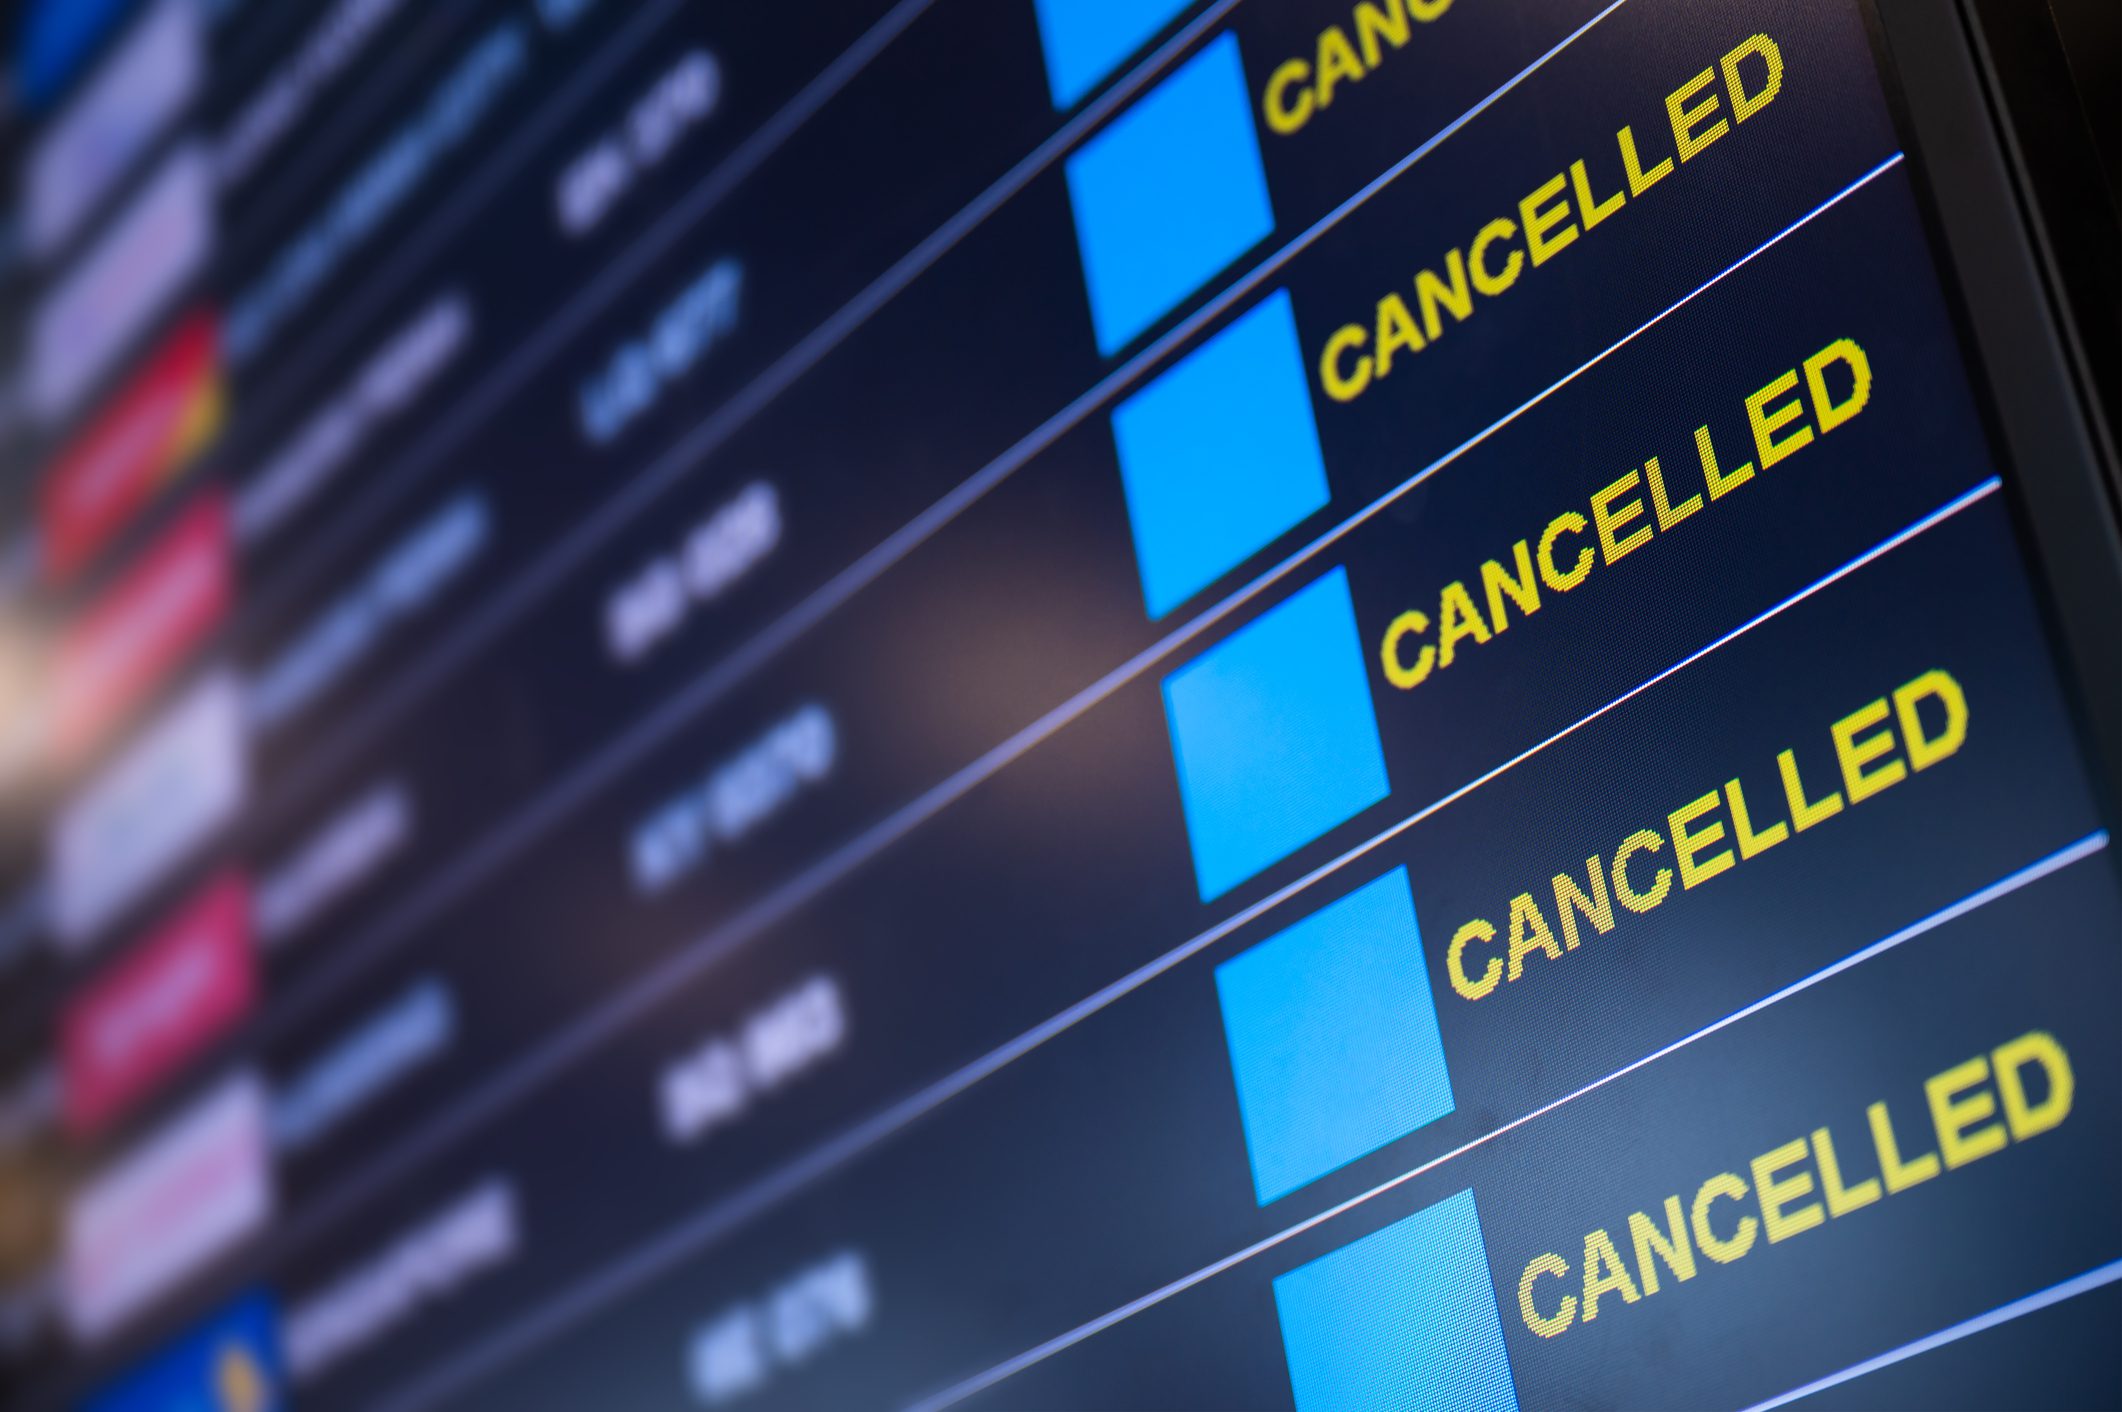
point(1548, 219)
point(1915, 726)
point(1623, 516)
point(1302, 86)
point(1973, 1110)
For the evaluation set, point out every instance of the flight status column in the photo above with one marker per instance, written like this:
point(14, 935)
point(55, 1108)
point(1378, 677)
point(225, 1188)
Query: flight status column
point(1206, 703)
point(1564, 1030)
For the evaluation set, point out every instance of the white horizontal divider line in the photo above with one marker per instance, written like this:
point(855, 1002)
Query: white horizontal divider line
point(685, 705)
point(409, 258)
point(2033, 872)
point(616, 511)
point(402, 473)
point(594, 1026)
point(2033, 1303)
point(678, 1243)
point(530, 821)
point(771, 640)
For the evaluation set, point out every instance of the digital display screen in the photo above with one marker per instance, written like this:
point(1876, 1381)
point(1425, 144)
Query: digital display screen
point(1026, 704)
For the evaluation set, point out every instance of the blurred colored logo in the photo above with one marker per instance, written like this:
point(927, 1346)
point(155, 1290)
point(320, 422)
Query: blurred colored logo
point(95, 315)
point(142, 629)
point(158, 1006)
point(180, 779)
point(139, 89)
point(151, 1221)
point(231, 1363)
point(155, 426)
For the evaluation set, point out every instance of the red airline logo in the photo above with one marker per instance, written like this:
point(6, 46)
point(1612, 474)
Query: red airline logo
point(158, 1006)
point(143, 628)
point(162, 418)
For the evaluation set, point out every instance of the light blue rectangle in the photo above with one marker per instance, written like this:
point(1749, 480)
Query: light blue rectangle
point(1220, 455)
point(1403, 1320)
point(1275, 737)
point(1169, 194)
point(1333, 1037)
point(1087, 39)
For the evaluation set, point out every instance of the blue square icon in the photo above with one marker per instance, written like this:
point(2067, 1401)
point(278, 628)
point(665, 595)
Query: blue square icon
point(1274, 736)
point(1333, 1037)
point(1220, 455)
point(1087, 39)
point(1169, 194)
point(1403, 1320)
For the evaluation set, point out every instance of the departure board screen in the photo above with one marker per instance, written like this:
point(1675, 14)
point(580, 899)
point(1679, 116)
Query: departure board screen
point(921, 704)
